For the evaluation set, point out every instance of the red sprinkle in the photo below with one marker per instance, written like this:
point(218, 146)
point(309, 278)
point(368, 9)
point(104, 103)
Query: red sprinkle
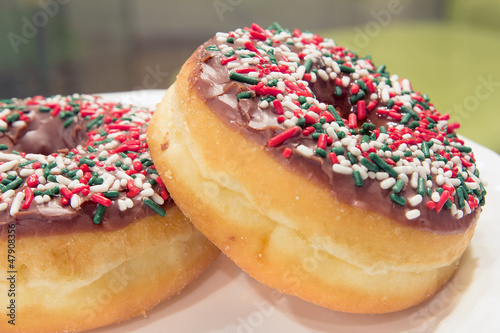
point(100, 199)
point(282, 137)
point(32, 180)
point(287, 152)
point(28, 199)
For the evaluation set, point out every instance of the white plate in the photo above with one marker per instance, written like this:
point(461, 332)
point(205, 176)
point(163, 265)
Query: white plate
point(225, 299)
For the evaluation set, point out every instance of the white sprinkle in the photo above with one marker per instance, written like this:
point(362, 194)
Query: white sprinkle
point(472, 185)
point(116, 185)
point(63, 180)
point(122, 206)
point(16, 203)
point(46, 198)
point(129, 203)
point(26, 172)
point(412, 214)
point(75, 201)
point(415, 200)
point(305, 151)
point(138, 182)
point(8, 194)
point(40, 158)
point(8, 165)
point(39, 200)
point(440, 180)
point(123, 175)
point(99, 188)
point(148, 192)
point(382, 175)
point(435, 196)
point(342, 169)
point(158, 199)
point(346, 80)
point(3, 206)
point(387, 183)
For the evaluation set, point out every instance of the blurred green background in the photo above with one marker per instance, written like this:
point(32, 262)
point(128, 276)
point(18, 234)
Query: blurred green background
point(448, 49)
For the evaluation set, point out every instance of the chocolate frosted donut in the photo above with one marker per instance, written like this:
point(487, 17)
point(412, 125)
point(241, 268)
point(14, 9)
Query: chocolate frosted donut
point(91, 234)
point(299, 151)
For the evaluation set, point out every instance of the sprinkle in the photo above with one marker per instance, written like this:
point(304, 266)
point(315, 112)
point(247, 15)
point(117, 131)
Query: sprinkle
point(358, 181)
point(398, 199)
point(412, 214)
point(243, 78)
point(283, 136)
point(155, 207)
point(99, 214)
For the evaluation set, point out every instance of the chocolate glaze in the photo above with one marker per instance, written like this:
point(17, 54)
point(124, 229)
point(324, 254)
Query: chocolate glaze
point(210, 82)
point(45, 134)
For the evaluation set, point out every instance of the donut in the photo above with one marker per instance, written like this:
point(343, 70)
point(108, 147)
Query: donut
point(317, 172)
point(89, 234)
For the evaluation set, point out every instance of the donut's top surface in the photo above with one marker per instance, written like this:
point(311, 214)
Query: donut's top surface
point(75, 163)
point(343, 123)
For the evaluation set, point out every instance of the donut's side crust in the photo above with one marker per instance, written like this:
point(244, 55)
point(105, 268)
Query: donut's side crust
point(87, 280)
point(285, 231)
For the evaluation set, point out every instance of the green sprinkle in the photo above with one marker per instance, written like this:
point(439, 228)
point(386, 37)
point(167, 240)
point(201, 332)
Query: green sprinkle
point(382, 164)
point(153, 182)
point(230, 40)
point(369, 127)
point(13, 117)
point(425, 150)
point(346, 69)
point(308, 65)
point(21, 165)
point(358, 181)
point(334, 112)
point(244, 95)
point(395, 158)
point(212, 48)
point(369, 165)
point(383, 129)
point(338, 91)
point(421, 186)
point(414, 125)
point(86, 160)
point(398, 199)
point(464, 149)
point(320, 152)
point(276, 27)
point(381, 69)
point(13, 185)
point(338, 150)
point(406, 118)
point(272, 58)
point(91, 149)
point(243, 78)
point(273, 83)
point(351, 158)
point(152, 171)
point(341, 134)
point(102, 142)
point(230, 53)
point(398, 186)
point(301, 122)
point(99, 213)
point(111, 194)
point(68, 122)
point(97, 121)
point(155, 207)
